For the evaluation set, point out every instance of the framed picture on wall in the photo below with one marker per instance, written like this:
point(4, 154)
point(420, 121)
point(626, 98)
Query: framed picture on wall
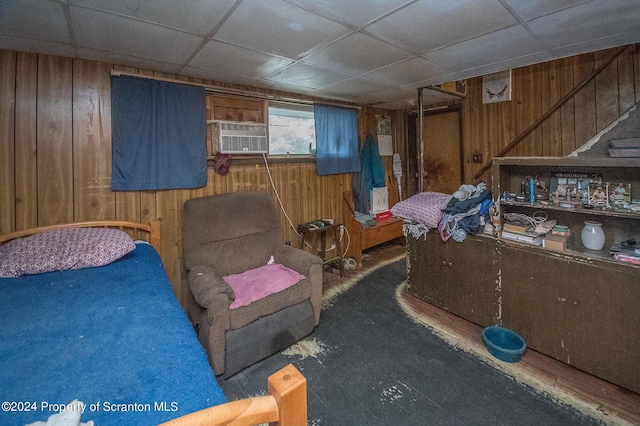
point(496, 87)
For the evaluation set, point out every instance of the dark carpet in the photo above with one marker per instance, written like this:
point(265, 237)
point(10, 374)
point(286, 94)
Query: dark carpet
point(368, 363)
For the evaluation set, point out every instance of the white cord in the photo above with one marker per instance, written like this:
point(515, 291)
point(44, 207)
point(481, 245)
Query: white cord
point(333, 247)
point(348, 240)
point(536, 219)
point(278, 196)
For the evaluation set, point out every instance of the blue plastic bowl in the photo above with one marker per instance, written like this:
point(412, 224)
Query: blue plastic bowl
point(504, 344)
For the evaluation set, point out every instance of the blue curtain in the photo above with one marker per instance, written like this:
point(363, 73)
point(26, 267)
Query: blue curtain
point(336, 140)
point(159, 135)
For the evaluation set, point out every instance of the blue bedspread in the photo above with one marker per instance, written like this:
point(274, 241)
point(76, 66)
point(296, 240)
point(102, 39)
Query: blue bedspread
point(113, 337)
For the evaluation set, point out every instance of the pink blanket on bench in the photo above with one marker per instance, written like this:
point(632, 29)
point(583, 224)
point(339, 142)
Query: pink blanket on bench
point(262, 281)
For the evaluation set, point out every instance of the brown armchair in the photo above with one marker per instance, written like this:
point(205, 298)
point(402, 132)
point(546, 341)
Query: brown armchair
point(229, 234)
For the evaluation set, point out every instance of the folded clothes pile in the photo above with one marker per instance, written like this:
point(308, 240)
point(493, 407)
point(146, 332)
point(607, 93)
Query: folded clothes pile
point(465, 212)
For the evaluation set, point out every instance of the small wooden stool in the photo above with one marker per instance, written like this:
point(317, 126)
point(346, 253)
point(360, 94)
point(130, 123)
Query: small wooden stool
point(321, 234)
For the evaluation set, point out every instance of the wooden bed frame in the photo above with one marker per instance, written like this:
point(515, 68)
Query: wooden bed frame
point(150, 233)
point(362, 238)
point(286, 402)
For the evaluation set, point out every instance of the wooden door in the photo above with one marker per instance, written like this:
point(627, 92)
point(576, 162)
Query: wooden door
point(442, 164)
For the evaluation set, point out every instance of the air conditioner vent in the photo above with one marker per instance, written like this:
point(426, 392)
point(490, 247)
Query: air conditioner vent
point(237, 137)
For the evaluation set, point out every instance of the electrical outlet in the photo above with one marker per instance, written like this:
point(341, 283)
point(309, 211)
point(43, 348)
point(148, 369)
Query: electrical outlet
point(477, 158)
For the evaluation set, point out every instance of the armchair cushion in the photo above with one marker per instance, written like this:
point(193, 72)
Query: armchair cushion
point(270, 304)
point(206, 285)
point(259, 282)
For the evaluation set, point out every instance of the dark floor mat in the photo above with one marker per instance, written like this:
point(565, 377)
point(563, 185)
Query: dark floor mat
point(367, 363)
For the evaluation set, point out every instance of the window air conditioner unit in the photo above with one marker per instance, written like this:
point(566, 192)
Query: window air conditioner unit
point(239, 137)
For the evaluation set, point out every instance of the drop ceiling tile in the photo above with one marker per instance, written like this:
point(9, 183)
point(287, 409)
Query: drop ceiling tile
point(356, 54)
point(36, 46)
point(17, 19)
point(307, 76)
point(231, 59)
point(193, 16)
point(406, 72)
point(529, 9)
point(588, 22)
point(290, 90)
point(353, 87)
point(388, 95)
point(161, 35)
point(600, 44)
point(128, 60)
point(355, 13)
point(501, 45)
point(219, 76)
point(430, 24)
point(506, 65)
point(103, 31)
point(278, 28)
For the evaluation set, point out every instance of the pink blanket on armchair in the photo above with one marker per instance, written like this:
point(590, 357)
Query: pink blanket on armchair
point(262, 281)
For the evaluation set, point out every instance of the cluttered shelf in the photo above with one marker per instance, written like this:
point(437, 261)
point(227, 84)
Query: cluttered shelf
point(597, 198)
point(566, 230)
point(575, 253)
point(588, 211)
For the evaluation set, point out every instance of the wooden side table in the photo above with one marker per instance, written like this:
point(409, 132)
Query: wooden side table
point(321, 233)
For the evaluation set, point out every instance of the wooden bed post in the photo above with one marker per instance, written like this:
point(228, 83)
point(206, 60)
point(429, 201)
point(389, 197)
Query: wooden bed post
point(289, 387)
point(155, 236)
point(286, 405)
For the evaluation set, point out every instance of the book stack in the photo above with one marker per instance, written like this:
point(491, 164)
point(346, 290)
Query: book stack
point(561, 231)
point(521, 232)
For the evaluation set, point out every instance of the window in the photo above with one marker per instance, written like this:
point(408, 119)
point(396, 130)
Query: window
point(291, 129)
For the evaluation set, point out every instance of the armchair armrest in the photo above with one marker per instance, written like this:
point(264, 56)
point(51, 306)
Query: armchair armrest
point(307, 264)
point(297, 259)
point(206, 285)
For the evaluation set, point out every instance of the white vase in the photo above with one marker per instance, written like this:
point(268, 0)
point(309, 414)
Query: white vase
point(592, 235)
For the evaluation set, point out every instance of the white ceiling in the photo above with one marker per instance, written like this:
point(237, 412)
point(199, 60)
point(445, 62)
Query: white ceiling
point(376, 52)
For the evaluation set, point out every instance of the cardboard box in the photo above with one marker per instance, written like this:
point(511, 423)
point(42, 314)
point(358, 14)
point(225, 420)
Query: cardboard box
point(379, 199)
point(554, 242)
point(381, 216)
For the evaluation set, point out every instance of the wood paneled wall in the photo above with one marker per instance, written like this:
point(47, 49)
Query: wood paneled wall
point(55, 142)
point(488, 128)
point(55, 157)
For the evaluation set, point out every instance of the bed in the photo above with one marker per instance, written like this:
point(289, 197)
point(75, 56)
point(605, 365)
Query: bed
point(108, 343)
